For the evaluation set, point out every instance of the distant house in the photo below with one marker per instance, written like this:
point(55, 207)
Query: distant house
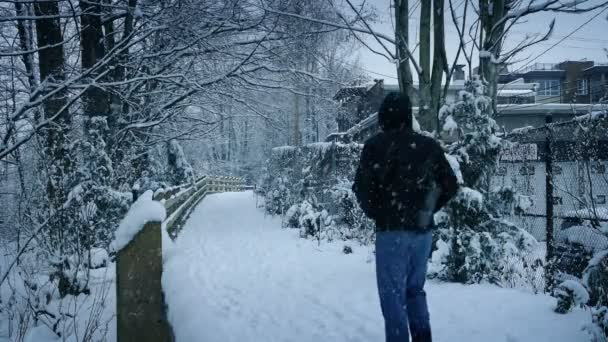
point(594, 84)
point(509, 117)
point(358, 103)
point(565, 82)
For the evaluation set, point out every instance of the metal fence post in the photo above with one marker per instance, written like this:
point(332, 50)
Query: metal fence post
point(549, 269)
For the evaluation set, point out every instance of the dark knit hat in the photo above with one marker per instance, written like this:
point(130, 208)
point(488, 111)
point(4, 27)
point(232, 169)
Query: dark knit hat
point(395, 112)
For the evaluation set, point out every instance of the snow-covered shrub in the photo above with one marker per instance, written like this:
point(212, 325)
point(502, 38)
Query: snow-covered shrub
point(93, 208)
point(279, 199)
point(570, 294)
point(351, 220)
point(472, 256)
point(312, 220)
point(318, 175)
point(293, 217)
point(97, 258)
point(474, 243)
point(595, 279)
point(598, 329)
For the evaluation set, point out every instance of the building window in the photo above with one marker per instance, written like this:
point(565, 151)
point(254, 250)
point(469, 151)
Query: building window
point(582, 87)
point(526, 170)
point(600, 199)
point(548, 87)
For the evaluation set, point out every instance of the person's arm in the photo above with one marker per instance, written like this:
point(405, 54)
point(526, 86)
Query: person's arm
point(365, 185)
point(444, 176)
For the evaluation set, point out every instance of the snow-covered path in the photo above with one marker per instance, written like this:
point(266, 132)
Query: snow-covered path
point(235, 275)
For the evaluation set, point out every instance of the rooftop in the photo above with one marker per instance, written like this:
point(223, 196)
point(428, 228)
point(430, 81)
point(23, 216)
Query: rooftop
point(603, 65)
point(542, 67)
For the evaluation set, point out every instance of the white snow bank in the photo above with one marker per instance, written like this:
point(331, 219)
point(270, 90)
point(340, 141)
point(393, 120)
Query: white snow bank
point(41, 333)
point(142, 211)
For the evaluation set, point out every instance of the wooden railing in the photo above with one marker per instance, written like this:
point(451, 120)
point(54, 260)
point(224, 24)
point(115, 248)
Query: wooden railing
point(141, 312)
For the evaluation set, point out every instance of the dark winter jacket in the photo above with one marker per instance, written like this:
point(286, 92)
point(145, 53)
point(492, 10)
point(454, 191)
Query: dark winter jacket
point(403, 177)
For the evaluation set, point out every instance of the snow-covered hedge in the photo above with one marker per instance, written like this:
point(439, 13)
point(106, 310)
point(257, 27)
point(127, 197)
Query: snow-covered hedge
point(311, 186)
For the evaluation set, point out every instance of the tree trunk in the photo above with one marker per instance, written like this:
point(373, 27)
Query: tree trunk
point(297, 140)
point(491, 12)
point(440, 62)
point(121, 107)
point(24, 29)
point(51, 65)
point(95, 100)
point(425, 110)
point(404, 72)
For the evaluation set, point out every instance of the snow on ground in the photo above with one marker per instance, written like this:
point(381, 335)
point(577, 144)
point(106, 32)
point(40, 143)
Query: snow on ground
point(236, 275)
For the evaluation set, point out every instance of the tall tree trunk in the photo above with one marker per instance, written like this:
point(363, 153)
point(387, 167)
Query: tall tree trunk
point(95, 100)
point(491, 42)
point(440, 61)
point(297, 139)
point(51, 65)
point(120, 107)
point(404, 72)
point(425, 110)
point(24, 29)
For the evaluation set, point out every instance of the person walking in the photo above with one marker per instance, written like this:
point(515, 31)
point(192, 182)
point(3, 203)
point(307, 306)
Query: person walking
point(402, 180)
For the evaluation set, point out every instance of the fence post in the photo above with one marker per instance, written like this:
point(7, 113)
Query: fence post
point(549, 269)
point(140, 313)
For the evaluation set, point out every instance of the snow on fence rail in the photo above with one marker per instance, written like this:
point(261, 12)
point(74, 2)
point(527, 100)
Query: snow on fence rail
point(140, 311)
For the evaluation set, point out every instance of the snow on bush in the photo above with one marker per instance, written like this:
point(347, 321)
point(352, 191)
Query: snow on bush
point(595, 278)
point(279, 198)
point(474, 243)
point(99, 258)
point(598, 329)
point(144, 210)
point(585, 235)
point(450, 125)
point(472, 198)
point(523, 203)
point(179, 169)
point(301, 183)
point(312, 220)
point(570, 294)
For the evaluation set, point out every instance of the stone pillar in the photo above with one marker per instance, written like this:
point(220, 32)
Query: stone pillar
point(140, 314)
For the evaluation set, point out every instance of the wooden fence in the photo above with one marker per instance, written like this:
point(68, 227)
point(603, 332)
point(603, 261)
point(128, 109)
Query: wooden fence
point(140, 307)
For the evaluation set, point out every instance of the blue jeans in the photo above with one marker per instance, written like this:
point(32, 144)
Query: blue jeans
point(401, 263)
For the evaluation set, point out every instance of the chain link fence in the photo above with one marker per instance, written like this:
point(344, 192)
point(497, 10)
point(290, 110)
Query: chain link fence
point(560, 175)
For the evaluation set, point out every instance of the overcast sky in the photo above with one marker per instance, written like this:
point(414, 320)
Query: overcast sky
point(587, 42)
